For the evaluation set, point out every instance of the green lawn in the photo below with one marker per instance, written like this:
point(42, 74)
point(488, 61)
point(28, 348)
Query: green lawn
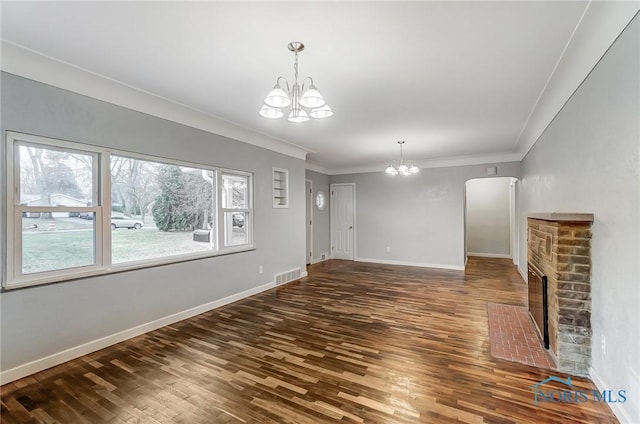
point(71, 244)
point(46, 251)
point(131, 245)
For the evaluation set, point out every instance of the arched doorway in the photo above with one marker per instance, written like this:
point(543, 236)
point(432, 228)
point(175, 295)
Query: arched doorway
point(491, 228)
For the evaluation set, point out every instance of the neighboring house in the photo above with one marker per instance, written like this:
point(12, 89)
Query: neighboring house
point(57, 199)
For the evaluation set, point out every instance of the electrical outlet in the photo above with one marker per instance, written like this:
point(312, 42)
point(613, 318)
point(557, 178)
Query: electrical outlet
point(260, 269)
point(388, 249)
point(324, 256)
point(603, 340)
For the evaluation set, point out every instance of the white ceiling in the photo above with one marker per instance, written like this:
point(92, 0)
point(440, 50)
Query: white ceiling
point(453, 79)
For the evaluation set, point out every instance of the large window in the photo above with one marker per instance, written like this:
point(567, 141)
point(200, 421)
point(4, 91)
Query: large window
point(172, 205)
point(76, 210)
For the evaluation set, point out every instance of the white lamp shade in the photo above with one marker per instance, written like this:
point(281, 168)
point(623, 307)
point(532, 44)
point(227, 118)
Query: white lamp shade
point(403, 169)
point(298, 116)
point(391, 170)
point(414, 169)
point(270, 112)
point(321, 112)
point(312, 98)
point(277, 98)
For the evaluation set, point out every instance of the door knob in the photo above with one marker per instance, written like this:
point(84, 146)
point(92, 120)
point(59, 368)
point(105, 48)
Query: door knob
point(351, 227)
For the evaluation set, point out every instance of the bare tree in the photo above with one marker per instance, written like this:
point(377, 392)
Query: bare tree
point(135, 183)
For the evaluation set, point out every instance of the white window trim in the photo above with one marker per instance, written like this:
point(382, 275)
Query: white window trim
point(249, 223)
point(13, 279)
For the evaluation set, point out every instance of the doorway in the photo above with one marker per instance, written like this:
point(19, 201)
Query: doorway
point(309, 215)
point(490, 218)
point(343, 227)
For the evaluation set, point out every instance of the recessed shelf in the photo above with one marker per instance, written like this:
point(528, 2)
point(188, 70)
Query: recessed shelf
point(280, 188)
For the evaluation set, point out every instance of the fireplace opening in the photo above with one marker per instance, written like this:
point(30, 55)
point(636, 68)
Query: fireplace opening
point(538, 303)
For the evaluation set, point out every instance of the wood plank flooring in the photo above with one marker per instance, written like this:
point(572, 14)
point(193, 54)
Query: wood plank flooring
point(353, 342)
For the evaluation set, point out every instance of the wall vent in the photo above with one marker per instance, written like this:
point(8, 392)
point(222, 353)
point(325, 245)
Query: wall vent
point(287, 276)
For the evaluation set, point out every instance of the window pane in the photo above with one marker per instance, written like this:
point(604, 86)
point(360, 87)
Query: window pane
point(235, 228)
point(56, 240)
point(159, 210)
point(50, 177)
point(235, 192)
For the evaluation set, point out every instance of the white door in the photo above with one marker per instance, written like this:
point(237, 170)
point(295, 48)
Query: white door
point(309, 200)
point(342, 221)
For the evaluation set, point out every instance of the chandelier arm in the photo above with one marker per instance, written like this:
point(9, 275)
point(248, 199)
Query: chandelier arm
point(302, 87)
point(286, 83)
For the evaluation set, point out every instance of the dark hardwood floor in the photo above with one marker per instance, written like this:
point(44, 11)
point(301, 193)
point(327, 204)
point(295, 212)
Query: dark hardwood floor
point(352, 342)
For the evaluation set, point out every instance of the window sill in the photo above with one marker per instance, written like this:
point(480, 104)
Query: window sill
point(114, 269)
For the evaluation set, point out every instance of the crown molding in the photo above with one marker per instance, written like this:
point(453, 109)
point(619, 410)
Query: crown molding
point(317, 168)
point(29, 64)
point(434, 163)
point(596, 30)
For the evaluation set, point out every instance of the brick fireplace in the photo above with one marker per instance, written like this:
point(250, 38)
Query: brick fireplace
point(559, 248)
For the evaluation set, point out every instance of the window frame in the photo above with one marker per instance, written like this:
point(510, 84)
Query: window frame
point(13, 277)
point(221, 227)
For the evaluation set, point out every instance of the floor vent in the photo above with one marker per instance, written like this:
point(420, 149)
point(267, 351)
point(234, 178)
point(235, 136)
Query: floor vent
point(287, 276)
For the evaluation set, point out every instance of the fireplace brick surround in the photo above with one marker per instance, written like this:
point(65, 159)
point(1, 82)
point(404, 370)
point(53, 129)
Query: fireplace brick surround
point(559, 246)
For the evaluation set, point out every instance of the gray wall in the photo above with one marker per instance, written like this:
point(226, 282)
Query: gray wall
point(588, 161)
point(488, 225)
point(41, 321)
point(420, 217)
point(320, 218)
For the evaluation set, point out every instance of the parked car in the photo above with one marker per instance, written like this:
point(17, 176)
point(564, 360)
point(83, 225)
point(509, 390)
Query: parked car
point(238, 220)
point(85, 215)
point(123, 221)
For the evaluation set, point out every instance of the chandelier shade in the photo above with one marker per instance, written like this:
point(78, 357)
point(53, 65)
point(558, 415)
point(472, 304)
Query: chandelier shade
point(312, 98)
point(277, 97)
point(270, 112)
point(403, 168)
point(321, 112)
point(298, 115)
point(298, 97)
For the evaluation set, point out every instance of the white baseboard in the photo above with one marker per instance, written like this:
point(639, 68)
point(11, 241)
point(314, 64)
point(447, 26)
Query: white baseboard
point(490, 255)
point(616, 408)
point(405, 263)
point(317, 261)
point(524, 275)
point(33, 367)
point(303, 274)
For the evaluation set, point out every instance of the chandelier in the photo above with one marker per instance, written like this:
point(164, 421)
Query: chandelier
point(308, 104)
point(402, 168)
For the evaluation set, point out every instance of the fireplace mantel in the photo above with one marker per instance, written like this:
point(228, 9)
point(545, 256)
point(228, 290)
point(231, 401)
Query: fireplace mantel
point(562, 217)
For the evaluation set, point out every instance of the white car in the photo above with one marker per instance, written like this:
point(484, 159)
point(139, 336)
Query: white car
point(123, 221)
